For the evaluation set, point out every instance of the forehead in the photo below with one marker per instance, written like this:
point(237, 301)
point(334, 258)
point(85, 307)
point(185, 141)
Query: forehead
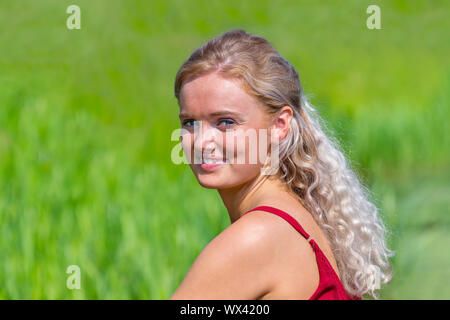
point(212, 92)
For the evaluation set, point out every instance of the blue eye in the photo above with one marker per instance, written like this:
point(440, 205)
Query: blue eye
point(227, 122)
point(188, 123)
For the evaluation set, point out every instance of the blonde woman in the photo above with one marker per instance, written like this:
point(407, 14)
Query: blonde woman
point(305, 229)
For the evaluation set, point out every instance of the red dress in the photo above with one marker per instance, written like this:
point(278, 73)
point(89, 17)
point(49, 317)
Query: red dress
point(330, 286)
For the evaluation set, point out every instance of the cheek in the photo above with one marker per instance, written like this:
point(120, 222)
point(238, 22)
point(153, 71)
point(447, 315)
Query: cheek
point(246, 147)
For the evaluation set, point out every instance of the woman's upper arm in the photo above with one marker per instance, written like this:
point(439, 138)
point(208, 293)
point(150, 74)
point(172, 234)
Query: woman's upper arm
point(234, 265)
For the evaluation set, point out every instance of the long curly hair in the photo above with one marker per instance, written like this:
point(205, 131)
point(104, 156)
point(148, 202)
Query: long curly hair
point(311, 162)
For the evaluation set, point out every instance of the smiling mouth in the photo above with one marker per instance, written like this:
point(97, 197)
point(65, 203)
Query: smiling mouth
point(211, 164)
point(213, 161)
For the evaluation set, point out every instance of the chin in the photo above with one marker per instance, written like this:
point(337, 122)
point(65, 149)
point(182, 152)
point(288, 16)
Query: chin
point(224, 177)
point(210, 185)
point(211, 181)
point(218, 179)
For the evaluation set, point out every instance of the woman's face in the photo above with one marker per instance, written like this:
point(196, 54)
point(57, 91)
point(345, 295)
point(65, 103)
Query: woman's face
point(223, 131)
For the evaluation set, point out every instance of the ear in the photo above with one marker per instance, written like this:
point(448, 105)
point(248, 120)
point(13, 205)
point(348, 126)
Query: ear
point(282, 123)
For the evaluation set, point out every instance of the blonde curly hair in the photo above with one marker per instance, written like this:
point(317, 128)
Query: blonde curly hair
point(311, 162)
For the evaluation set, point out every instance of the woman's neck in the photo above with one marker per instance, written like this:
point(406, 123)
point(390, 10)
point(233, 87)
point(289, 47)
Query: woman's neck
point(240, 199)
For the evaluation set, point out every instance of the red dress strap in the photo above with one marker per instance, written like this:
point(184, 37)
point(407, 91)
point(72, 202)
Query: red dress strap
point(285, 216)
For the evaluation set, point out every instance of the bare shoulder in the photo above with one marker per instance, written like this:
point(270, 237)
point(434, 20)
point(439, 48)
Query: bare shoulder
point(236, 264)
point(294, 273)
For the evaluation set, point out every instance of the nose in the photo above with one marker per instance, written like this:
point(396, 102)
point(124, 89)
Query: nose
point(205, 138)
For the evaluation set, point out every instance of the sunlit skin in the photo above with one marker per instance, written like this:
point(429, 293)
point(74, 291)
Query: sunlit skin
point(259, 256)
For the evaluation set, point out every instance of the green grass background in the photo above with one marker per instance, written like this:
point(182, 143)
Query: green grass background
point(86, 117)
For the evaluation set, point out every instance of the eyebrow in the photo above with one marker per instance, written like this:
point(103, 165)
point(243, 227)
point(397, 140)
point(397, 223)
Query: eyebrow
point(212, 114)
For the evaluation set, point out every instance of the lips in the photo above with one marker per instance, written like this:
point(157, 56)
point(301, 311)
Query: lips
point(213, 160)
point(209, 164)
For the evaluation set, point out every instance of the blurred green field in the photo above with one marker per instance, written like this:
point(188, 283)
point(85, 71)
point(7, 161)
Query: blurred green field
point(86, 118)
